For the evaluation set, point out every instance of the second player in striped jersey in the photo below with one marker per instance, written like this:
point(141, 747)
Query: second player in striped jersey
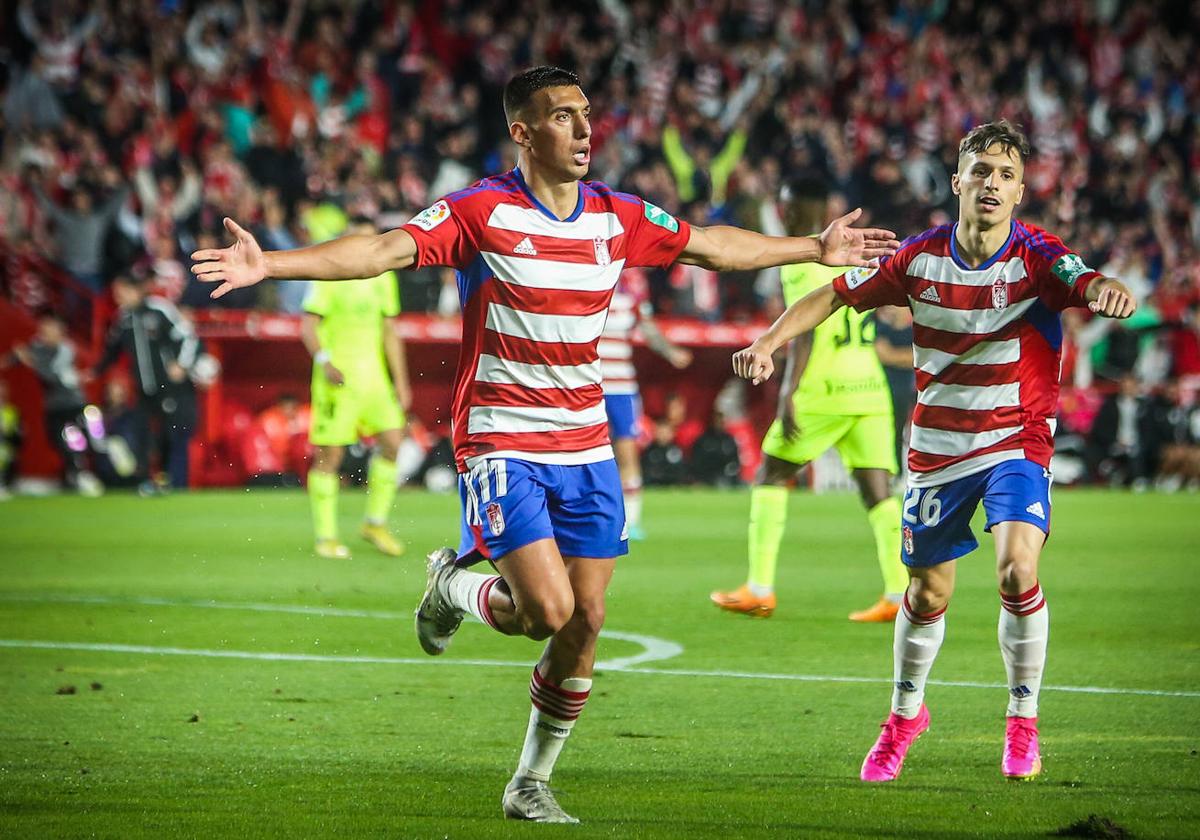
point(985, 294)
point(538, 252)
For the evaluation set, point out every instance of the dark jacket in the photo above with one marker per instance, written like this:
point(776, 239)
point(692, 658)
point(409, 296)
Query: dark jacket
point(154, 334)
point(55, 367)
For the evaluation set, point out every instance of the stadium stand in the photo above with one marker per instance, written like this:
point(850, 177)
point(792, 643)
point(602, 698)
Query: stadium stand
point(122, 152)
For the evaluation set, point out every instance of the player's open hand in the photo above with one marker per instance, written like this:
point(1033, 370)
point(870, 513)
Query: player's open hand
point(240, 265)
point(1114, 301)
point(842, 245)
point(753, 363)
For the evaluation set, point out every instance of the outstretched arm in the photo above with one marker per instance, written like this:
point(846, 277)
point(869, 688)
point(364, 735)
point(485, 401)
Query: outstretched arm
point(722, 248)
point(1108, 297)
point(754, 363)
point(351, 257)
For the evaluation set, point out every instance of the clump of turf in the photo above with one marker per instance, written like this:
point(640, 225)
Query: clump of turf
point(1094, 827)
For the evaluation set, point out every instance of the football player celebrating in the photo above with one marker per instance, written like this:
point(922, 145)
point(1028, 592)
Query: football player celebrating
point(985, 294)
point(538, 253)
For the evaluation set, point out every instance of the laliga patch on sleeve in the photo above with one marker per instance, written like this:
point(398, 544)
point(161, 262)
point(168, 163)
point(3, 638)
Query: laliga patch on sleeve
point(660, 217)
point(855, 277)
point(1069, 268)
point(431, 217)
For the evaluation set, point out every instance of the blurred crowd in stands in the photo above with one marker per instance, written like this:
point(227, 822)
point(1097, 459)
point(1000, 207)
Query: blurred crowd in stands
point(131, 127)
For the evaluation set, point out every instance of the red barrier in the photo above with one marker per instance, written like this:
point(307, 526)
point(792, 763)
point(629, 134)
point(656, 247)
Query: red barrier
point(262, 357)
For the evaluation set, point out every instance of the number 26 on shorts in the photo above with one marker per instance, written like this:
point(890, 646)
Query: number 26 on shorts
point(923, 502)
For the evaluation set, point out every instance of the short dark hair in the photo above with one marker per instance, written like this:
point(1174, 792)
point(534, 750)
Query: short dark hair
point(521, 87)
point(982, 137)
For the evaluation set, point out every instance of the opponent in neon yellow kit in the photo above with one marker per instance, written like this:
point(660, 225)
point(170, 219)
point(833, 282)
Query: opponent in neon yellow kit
point(833, 395)
point(360, 389)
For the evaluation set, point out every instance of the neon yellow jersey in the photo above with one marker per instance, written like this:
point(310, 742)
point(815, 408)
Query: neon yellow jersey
point(843, 374)
point(352, 323)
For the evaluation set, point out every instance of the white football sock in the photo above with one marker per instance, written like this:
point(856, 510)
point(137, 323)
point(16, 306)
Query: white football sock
point(1024, 630)
point(555, 710)
point(916, 643)
point(469, 591)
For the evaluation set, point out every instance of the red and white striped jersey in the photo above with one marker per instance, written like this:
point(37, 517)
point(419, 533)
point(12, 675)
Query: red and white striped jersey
point(986, 345)
point(535, 292)
point(629, 305)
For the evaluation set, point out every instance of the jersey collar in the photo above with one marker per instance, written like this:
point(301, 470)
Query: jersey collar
point(990, 261)
point(545, 211)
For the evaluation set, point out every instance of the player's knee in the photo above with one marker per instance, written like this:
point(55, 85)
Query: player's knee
point(548, 615)
point(926, 596)
point(775, 473)
point(1017, 571)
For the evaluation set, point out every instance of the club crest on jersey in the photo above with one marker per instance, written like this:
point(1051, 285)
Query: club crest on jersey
point(602, 255)
point(495, 518)
point(855, 277)
point(431, 216)
point(908, 540)
point(999, 294)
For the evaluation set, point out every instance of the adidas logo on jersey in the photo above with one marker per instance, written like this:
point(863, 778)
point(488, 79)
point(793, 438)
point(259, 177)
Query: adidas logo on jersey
point(931, 295)
point(526, 248)
point(1037, 510)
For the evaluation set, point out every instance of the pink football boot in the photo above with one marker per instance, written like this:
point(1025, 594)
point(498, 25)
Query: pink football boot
point(1022, 758)
point(885, 759)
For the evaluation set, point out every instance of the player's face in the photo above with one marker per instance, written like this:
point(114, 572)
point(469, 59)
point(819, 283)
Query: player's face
point(558, 134)
point(989, 185)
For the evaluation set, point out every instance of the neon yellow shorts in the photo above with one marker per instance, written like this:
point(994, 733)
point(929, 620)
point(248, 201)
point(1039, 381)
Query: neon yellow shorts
point(865, 441)
point(343, 414)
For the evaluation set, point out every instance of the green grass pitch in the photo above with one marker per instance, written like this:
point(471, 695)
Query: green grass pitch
point(228, 683)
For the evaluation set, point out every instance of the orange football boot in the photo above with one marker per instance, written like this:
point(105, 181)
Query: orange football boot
point(742, 600)
point(881, 612)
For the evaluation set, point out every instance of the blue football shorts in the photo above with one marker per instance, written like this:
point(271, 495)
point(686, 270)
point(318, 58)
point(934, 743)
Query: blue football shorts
point(936, 521)
point(509, 503)
point(624, 415)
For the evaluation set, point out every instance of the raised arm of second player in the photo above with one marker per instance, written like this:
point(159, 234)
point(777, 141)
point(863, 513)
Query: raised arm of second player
point(754, 362)
point(350, 257)
point(1107, 297)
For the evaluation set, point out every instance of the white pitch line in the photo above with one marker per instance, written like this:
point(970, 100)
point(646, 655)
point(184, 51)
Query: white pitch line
point(268, 656)
point(261, 656)
point(142, 601)
point(654, 649)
